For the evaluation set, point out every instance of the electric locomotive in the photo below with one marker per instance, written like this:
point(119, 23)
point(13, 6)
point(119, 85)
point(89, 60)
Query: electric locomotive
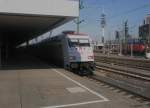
point(76, 52)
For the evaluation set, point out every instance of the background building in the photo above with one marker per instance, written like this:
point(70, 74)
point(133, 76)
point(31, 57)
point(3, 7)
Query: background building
point(144, 30)
point(147, 20)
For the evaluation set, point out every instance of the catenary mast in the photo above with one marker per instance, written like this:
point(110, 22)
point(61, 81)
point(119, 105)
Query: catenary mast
point(103, 24)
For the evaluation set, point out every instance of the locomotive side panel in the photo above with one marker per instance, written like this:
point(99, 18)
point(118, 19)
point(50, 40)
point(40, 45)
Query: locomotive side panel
point(52, 53)
point(56, 54)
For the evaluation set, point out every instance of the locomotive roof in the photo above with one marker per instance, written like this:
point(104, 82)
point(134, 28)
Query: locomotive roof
point(73, 33)
point(70, 35)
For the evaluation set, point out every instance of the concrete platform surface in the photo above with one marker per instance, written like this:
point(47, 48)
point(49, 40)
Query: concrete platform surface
point(57, 88)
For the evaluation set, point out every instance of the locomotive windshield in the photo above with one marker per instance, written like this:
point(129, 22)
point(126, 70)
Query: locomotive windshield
point(78, 42)
point(84, 42)
point(73, 42)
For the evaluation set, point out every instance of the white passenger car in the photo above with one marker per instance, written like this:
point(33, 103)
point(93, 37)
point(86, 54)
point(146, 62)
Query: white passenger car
point(77, 52)
point(148, 52)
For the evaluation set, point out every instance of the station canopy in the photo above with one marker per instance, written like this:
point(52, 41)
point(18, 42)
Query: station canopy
point(22, 20)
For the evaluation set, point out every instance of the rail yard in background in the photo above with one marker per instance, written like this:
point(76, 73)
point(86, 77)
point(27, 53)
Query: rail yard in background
point(126, 44)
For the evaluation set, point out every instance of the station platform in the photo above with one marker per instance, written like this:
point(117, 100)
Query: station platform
point(52, 87)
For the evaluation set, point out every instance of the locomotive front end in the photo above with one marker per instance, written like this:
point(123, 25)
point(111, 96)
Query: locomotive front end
point(81, 56)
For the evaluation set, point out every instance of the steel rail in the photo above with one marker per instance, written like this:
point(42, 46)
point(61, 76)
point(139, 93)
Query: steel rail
point(124, 72)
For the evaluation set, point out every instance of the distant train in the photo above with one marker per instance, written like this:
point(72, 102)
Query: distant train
point(136, 46)
point(70, 50)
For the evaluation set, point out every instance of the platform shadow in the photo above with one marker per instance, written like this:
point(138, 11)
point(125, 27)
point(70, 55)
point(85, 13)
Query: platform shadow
point(27, 62)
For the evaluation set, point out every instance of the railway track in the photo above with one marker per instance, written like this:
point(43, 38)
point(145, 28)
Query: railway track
point(140, 64)
point(127, 93)
point(137, 84)
point(124, 71)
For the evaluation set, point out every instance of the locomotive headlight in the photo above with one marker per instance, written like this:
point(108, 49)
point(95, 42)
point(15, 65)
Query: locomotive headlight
point(72, 58)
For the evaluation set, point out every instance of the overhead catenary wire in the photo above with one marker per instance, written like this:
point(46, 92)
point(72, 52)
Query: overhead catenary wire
point(130, 11)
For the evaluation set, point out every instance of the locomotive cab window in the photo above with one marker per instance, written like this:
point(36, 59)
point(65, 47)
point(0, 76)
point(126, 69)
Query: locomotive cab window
point(73, 42)
point(78, 42)
point(84, 42)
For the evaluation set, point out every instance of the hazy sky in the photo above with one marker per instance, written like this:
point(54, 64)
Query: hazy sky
point(117, 11)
